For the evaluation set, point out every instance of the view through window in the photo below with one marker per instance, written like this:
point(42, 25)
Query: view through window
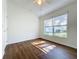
point(56, 26)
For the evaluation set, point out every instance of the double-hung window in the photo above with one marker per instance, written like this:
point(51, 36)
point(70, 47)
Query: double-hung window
point(56, 26)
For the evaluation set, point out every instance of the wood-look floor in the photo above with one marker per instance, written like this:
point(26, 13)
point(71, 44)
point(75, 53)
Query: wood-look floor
point(39, 49)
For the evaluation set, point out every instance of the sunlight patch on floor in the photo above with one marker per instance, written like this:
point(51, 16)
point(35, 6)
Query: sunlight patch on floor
point(38, 42)
point(43, 46)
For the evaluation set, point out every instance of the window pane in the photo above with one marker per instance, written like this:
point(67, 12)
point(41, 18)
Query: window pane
point(48, 29)
point(62, 34)
point(47, 33)
point(60, 31)
point(48, 22)
point(60, 20)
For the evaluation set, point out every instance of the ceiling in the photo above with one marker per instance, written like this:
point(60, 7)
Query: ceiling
point(49, 6)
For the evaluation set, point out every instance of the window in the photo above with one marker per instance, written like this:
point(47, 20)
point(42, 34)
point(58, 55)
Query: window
point(56, 26)
point(48, 27)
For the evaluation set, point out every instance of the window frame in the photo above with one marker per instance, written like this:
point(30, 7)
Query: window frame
point(53, 26)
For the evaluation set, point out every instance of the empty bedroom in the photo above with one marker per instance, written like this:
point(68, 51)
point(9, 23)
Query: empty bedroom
point(39, 29)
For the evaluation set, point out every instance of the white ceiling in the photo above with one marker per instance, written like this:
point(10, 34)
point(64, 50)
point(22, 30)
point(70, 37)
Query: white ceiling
point(49, 6)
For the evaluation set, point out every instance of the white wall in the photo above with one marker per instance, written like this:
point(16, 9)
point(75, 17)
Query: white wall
point(71, 40)
point(4, 25)
point(22, 24)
